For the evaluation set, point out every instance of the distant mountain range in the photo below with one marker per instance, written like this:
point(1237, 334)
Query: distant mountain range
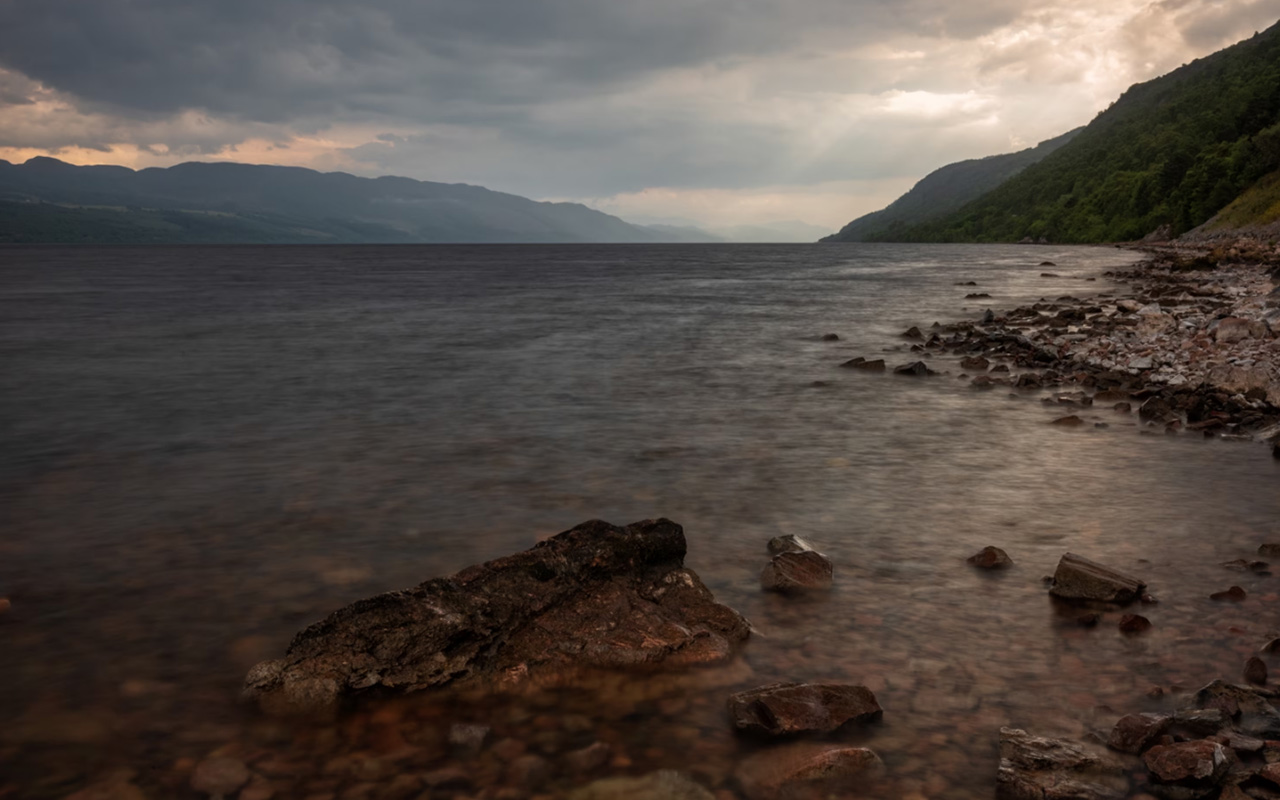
point(1199, 145)
point(944, 190)
point(46, 200)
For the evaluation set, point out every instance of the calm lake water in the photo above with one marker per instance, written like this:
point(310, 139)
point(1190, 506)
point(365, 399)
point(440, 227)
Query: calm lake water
point(205, 449)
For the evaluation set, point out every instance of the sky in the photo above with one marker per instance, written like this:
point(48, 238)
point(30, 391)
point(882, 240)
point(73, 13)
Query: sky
point(712, 112)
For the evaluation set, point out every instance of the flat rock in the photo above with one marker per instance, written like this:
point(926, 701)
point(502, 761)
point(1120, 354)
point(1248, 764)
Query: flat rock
point(1079, 578)
point(1201, 760)
point(547, 612)
point(787, 708)
point(1040, 768)
point(662, 785)
point(796, 571)
point(805, 770)
point(1134, 733)
point(990, 557)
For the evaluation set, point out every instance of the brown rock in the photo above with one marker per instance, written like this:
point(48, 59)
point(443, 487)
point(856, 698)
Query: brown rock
point(110, 789)
point(797, 571)
point(916, 369)
point(804, 770)
point(547, 611)
point(1234, 329)
point(447, 778)
point(529, 771)
point(975, 363)
point(219, 776)
point(786, 708)
point(990, 558)
point(788, 543)
point(1136, 732)
point(5, 605)
point(1069, 422)
point(1269, 550)
point(1235, 595)
point(1039, 768)
point(1134, 623)
point(661, 785)
point(1255, 671)
point(1079, 578)
point(588, 759)
point(1201, 760)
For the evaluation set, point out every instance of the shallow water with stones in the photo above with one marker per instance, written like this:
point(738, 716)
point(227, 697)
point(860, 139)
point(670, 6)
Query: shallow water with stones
point(208, 448)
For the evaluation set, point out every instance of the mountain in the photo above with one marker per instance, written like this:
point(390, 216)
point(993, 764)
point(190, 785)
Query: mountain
point(46, 200)
point(1172, 151)
point(944, 190)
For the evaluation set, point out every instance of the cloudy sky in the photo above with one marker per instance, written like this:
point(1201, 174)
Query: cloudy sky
point(714, 111)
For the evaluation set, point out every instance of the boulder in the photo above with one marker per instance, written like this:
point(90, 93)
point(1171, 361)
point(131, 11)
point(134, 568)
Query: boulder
point(788, 543)
point(913, 333)
point(797, 570)
point(1134, 733)
point(1039, 768)
point(805, 770)
point(1134, 623)
point(1233, 595)
point(546, 612)
point(1251, 707)
point(990, 558)
point(662, 785)
point(786, 708)
point(1255, 671)
point(915, 369)
point(1198, 761)
point(1081, 579)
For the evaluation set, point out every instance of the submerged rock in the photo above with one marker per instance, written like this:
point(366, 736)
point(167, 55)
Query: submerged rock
point(543, 612)
point(1255, 671)
point(797, 569)
point(1039, 768)
point(1079, 578)
point(805, 770)
point(662, 785)
point(1134, 623)
point(786, 708)
point(219, 776)
point(1233, 595)
point(990, 557)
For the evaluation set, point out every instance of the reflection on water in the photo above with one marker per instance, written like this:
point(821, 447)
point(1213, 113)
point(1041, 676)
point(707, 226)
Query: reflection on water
point(208, 448)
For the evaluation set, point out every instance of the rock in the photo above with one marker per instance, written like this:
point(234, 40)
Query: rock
point(861, 363)
point(529, 771)
point(914, 369)
point(988, 317)
point(5, 605)
point(1039, 768)
point(1089, 620)
point(1134, 623)
point(219, 776)
point(1234, 329)
point(589, 758)
point(1243, 565)
point(447, 778)
point(1071, 421)
point(1255, 671)
point(975, 363)
point(913, 333)
point(1202, 761)
point(1136, 732)
point(1156, 408)
point(1047, 264)
point(1128, 306)
point(1234, 595)
point(830, 337)
point(1081, 579)
point(467, 738)
point(788, 543)
point(786, 708)
point(1272, 646)
point(109, 789)
point(1269, 550)
point(547, 611)
point(1250, 706)
point(1199, 722)
point(661, 785)
point(797, 570)
point(805, 769)
point(990, 558)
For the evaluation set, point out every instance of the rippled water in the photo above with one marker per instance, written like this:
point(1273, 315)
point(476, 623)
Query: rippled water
point(207, 448)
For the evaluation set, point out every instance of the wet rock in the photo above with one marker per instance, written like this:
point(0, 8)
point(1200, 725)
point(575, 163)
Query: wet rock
point(797, 571)
point(1068, 422)
point(1199, 722)
point(1039, 768)
point(916, 369)
point(1272, 646)
point(1242, 565)
point(219, 776)
point(529, 771)
point(109, 789)
point(788, 543)
point(1134, 623)
point(447, 778)
point(1089, 620)
point(1269, 550)
point(830, 337)
point(975, 363)
point(1079, 578)
point(805, 770)
point(990, 557)
point(1234, 595)
point(1156, 408)
point(1134, 733)
point(588, 759)
point(913, 333)
point(1251, 707)
point(786, 708)
point(662, 785)
point(1255, 671)
point(876, 365)
point(467, 738)
point(546, 611)
point(1201, 761)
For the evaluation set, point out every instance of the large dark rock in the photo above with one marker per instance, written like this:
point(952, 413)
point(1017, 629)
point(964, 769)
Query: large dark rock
point(1198, 762)
point(797, 570)
point(594, 596)
point(1252, 707)
point(915, 369)
point(1079, 578)
point(990, 557)
point(1039, 768)
point(1134, 733)
point(786, 708)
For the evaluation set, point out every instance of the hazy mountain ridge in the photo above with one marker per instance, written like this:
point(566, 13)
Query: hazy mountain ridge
point(46, 200)
point(1172, 152)
point(945, 190)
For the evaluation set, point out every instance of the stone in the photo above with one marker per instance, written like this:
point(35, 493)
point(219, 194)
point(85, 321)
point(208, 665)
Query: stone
point(1269, 550)
point(218, 776)
point(876, 365)
point(589, 758)
point(916, 369)
point(110, 789)
point(990, 557)
point(1201, 760)
point(1134, 623)
point(447, 778)
point(975, 363)
point(661, 785)
point(913, 333)
point(1234, 595)
point(1079, 578)
point(795, 571)
point(1071, 421)
point(1156, 408)
point(1040, 768)
point(1134, 733)
point(1234, 329)
point(830, 337)
point(788, 543)
point(1255, 671)
point(805, 769)
point(1251, 707)
point(468, 738)
point(787, 708)
point(546, 613)
point(529, 771)
point(1198, 722)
